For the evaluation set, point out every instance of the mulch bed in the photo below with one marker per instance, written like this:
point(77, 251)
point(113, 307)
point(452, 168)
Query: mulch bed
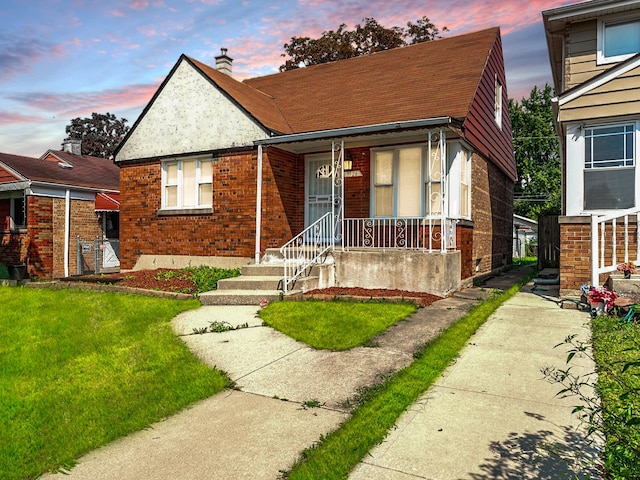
point(148, 280)
point(422, 299)
point(142, 279)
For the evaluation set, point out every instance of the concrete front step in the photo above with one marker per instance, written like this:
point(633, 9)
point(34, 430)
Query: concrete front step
point(251, 282)
point(263, 269)
point(626, 286)
point(239, 297)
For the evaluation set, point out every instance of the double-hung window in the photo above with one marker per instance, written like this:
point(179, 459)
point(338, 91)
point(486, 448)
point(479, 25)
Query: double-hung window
point(408, 181)
point(618, 39)
point(609, 167)
point(399, 188)
point(187, 184)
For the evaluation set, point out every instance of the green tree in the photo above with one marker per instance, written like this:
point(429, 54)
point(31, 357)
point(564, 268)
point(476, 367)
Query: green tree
point(538, 189)
point(100, 134)
point(365, 38)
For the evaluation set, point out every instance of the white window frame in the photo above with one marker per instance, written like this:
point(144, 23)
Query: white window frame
point(576, 156)
point(457, 152)
point(180, 184)
point(498, 102)
point(452, 178)
point(601, 58)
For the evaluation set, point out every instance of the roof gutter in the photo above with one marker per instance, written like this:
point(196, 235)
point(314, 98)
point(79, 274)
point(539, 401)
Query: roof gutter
point(78, 188)
point(352, 131)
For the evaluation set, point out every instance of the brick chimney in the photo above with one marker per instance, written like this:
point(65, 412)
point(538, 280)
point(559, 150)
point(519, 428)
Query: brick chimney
point(72, 145)
point(223, 62)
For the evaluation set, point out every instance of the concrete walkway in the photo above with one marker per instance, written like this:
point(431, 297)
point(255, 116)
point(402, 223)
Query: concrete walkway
point(480, 421)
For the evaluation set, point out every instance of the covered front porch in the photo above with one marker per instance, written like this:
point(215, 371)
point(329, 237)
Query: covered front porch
point(384, 206)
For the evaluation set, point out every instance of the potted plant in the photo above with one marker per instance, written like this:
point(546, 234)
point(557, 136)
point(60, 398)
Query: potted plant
point(627, 268)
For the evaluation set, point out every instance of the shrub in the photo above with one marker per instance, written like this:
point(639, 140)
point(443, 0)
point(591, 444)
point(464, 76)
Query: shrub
point(206, 278)
point(4, 272)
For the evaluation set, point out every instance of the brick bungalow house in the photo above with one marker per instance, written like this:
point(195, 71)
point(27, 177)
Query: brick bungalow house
point(594, 48)
point(394, 168)
point(47, 202)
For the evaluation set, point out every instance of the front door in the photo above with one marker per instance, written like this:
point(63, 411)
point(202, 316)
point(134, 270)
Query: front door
point(317, 187)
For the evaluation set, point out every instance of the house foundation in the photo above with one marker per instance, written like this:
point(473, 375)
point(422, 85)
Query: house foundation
point(417, 271)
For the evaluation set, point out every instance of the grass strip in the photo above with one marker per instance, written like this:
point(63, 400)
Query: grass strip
point(336, 325)
point(80, 368)
point(336, 454)
point(616, 347)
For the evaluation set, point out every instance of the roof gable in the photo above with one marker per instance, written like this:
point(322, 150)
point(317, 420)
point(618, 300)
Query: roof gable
point(192, 113)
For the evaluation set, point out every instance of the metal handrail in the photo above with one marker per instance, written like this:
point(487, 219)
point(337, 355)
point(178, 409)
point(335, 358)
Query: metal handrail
point(306, 249)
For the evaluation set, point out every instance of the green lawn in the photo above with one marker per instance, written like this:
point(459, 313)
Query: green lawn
point(79, 369)
point(616, 347)
point(336, 325)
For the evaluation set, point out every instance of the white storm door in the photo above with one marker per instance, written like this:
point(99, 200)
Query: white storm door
point(318, 178)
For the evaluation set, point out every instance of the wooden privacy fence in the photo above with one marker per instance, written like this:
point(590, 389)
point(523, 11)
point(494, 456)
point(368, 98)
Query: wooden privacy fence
point(548, 242)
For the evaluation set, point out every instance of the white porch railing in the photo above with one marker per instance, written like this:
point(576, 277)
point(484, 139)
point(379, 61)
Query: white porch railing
point(306, 249)
point(399, 233)
point(611, 241)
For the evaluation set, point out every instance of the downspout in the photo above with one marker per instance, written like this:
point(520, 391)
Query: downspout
point(67, 230)
point(258, 205)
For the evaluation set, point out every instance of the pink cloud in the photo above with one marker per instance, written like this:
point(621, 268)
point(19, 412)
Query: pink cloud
point(79, 104)
point(117, 13)
point(12, 118)
point(138, 4)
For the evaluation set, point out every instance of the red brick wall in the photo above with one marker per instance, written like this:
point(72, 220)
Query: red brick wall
point(230, 230)
point(492, 214)
point(464, 243)
point(356, 189)
point(282, 197)
point(575, 255)
point(40, 237)
point(84, 223)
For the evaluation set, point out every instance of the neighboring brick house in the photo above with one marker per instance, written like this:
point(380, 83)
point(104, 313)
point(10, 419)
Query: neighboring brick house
point(594, 49)
point(46, 203)
point(407, 153)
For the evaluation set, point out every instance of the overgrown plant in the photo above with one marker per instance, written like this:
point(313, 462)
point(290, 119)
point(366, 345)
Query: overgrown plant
point(204, 278)
point(218, 327)
point(609, 398)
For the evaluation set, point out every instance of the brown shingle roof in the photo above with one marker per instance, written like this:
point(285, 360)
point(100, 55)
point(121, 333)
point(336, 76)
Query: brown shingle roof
point(260, 105)
point(87, 171)
point(426, 80)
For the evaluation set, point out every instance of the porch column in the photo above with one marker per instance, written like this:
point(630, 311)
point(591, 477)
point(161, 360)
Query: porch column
point(67, 229)
point(337, 191)
point(444, 197)
point(258, 205)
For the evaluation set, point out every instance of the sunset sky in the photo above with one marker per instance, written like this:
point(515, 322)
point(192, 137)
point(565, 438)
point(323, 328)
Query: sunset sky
point(61, 59)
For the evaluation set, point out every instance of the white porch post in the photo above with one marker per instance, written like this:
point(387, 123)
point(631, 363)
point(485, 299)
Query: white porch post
point(594, 251)
point(337, 181)
point(258, 205)
point(444, 197)
point(67, 229)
